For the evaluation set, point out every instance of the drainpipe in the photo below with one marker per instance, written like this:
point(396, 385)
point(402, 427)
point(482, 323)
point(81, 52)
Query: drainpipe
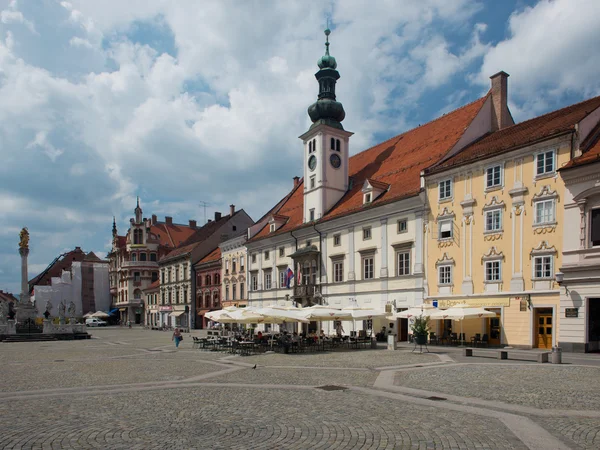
point(295, 238)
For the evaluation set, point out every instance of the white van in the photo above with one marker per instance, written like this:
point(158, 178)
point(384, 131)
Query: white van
point(95, 322)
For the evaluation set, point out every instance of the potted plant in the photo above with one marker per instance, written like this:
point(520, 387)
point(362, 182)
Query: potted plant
point(420, 328)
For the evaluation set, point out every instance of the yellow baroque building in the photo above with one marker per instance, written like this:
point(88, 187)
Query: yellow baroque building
point(494, 232)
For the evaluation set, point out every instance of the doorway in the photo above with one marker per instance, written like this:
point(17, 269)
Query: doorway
point(543, 328)
point(402, 330)
point(593, 325)
point(494, 329)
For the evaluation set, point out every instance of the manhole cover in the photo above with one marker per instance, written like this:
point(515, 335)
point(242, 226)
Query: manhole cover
point(331, 387)
point(437, 399)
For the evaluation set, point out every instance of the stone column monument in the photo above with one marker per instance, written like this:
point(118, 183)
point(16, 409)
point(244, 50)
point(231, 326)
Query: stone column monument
point(25, 310)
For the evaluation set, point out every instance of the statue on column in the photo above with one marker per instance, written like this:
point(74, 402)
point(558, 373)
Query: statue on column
point(24, 236)
point(48, 311)
point(61, 312)
point(72, 310)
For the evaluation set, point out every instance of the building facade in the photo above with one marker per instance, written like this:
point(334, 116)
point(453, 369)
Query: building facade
point(134, 260)
point(494, 235)
point(76, 276)
point(234, 289)
point(351, 229)
point(579, 272)
point(177, 279)
point(208, 286)
point(152, 306)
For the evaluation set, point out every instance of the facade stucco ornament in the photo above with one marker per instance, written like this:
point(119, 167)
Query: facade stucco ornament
point(545, 229)
point(444, 244)
point(72, 309)
point(468, 219)
point(545, 193)
point(543, 248)
point(445, 214)
point(493, 204)
point(492, 253)
point(492, 237)
point(444, 260)
point(518, 210)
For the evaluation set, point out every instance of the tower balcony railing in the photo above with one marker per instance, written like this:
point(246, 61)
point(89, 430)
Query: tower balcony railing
point(307, 290)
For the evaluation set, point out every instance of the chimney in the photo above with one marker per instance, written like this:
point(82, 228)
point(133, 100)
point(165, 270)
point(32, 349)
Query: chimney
point(296, 181)
point(192, 223)
point(217, 215)
point(231, 210)
point(501, 117)
point(154, 219)
point(169, 220)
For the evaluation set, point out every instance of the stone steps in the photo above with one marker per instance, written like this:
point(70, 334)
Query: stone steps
point(36, 337)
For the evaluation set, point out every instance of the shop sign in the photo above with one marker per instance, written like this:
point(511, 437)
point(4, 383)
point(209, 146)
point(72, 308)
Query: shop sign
point(572, 312)
point(524, 302)
point(479, 302)
point(166, 308)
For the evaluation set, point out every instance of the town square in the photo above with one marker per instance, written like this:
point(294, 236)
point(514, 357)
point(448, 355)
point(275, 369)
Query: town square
point(130, 388)
point(300, 224)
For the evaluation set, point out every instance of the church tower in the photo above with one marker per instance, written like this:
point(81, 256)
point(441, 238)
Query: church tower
point(138, 212)
point(325, 144)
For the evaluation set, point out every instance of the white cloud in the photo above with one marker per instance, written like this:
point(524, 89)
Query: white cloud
point(552, 49)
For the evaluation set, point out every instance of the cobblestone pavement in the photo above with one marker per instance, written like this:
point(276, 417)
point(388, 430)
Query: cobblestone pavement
point(131, 389)
point(542, 386)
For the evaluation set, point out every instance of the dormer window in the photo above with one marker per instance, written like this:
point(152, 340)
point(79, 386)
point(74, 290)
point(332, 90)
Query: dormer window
point(372, 190)
point(367, 198)
point(272, 228)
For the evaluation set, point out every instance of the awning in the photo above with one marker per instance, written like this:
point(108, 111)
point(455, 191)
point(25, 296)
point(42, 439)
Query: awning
point(201, 312)
point(122, 309)
point(176, 313)
point(112, 311)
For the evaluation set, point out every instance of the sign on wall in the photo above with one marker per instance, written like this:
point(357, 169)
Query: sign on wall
point(481, 302)
point(572, 312)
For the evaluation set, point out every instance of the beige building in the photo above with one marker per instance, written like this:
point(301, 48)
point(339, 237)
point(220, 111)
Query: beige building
point(233, 269)
point(494, 235)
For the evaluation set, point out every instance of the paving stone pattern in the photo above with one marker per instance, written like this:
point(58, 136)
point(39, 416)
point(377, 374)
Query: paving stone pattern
point(237, 418)
point(131, 389)
point(542, 386)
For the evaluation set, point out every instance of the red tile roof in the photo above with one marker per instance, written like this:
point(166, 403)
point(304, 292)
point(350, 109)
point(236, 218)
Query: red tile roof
point(521, 135)
point(197, 237)
point(397, 162)
point(172, 235)
point(590, 155)
point(8, 297)
point(215, 255)
point(154, 286)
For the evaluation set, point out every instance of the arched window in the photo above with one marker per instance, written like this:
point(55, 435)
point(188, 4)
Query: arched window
point(152, 256)
point(134, 257)
point(337, 145)
point(332, 144)
point(310, 147)
point(143, 256)
point(207, 282)
point(314, 145)
point(207, 300)
point(216, 298)
point(137, 294)
point(137, 236)
point(217, 279)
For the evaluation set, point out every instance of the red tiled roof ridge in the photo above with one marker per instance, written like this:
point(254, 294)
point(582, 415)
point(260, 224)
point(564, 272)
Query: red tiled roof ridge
point(214, 255)
point(154, 285)
point(460, 158)
point(424, 124)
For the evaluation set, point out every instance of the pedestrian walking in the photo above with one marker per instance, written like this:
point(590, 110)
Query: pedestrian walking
point(177, 337)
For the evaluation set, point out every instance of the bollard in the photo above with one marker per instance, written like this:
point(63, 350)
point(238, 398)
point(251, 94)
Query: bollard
point(556, 355)
point(392, 342)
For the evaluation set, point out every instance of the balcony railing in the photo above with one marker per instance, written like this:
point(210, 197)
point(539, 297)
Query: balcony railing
point(149, 264)
point(306, 290)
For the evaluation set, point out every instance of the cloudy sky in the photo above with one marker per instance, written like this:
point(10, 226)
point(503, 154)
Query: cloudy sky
point(187, 101)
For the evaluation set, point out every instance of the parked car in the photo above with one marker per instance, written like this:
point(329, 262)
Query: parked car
point(95, 322)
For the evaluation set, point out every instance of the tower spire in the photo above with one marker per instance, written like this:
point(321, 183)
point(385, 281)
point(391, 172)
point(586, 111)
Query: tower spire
point(114, 229)
point(326, 109)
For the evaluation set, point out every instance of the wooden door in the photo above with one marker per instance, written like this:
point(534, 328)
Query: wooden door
point(543, 329)
point(494, 330)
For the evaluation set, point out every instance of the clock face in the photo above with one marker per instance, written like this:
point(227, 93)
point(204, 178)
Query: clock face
point(335, 161)
point(312, 162)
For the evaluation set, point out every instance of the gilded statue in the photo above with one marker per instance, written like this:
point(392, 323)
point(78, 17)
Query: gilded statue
point(24, 235)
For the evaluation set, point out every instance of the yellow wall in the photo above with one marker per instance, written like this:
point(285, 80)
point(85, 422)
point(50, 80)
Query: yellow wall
point(519, 236)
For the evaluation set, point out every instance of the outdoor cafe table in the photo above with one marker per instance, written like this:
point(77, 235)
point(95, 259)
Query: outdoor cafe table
point(246, 347)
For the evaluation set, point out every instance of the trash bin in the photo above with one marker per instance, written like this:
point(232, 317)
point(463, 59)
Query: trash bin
point(556, 355)
point(392, 342)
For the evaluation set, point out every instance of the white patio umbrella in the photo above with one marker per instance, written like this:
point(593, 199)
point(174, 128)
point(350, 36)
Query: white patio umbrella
point(215, 315)
point(461, 312)
point(90, 314)
point(416, 311)
point(323, 313)
point(100, 314)
point(358, 313)
point(285, 315)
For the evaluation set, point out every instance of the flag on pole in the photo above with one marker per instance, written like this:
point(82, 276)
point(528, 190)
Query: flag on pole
point(299, 274)
point(289, 275)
